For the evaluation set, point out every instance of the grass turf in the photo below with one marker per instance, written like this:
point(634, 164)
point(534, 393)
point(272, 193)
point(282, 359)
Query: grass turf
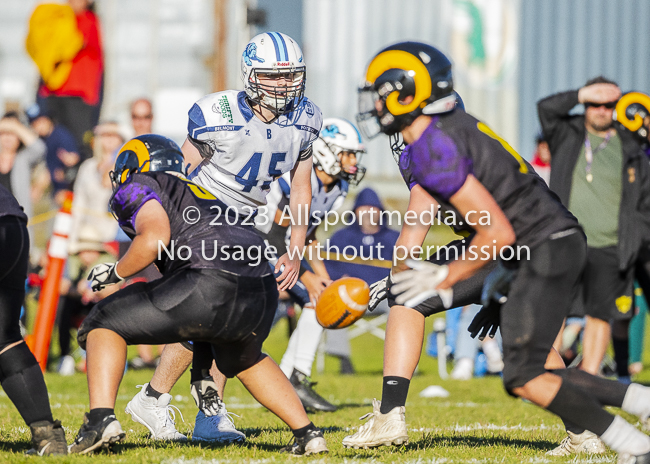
point(477, 423)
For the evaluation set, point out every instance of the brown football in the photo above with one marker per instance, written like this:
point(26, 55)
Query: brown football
point(342, 303)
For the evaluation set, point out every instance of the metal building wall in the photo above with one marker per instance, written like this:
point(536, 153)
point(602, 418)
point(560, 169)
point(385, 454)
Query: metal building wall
point(156, 49)
point(341, 36)
point(18, 74)
point(566, 42)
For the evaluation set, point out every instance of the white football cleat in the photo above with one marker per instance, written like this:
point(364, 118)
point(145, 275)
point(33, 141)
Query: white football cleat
point(155, 414)
point(381, 429)
point(586, 442)
point(216, 429)
point(463, 370)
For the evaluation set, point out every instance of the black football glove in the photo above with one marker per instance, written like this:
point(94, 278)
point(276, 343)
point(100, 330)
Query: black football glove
point(102, 275)
point(497, 284)
point(486, 321)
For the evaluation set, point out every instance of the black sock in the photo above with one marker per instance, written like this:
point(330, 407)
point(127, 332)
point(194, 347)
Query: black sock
point(606, 392)
point(621, 356)
point(149, 391)
point(22, 381)
point(302, 432)
point(580, 408)
point(571, 427)
point(394, 393)
point(201, 361)
point(95, 416)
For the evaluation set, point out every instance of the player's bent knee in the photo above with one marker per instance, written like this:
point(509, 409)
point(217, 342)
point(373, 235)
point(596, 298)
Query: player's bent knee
point(233, 365)
point(515, 378)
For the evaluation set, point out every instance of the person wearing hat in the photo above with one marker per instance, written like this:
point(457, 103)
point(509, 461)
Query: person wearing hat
point(62, 156)
point(371, 237)
point(77, 296)
point(20, 151)
point(92, 190)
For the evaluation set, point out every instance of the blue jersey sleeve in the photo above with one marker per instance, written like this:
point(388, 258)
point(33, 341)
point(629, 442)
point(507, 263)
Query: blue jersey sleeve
point(196, 120)
point(128, 200)
point(437, 163)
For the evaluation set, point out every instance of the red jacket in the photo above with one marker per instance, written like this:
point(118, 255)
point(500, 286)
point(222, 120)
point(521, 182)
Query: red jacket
point(87, 67)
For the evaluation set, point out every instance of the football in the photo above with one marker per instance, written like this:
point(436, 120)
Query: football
point(342, 303)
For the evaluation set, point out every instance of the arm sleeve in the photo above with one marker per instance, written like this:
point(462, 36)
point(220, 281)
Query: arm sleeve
point(439, 166)
point(554, 109)
point(129, 199)
point(34, 152)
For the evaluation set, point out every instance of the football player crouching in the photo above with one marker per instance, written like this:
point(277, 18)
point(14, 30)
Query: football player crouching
point(192, 301)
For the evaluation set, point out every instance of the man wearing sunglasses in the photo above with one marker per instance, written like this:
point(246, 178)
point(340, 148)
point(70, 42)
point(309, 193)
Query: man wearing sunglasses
point(600, 175)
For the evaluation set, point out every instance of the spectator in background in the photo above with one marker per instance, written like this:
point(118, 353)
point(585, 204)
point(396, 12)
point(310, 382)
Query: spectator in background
point(542, 158)
point(77, 297)
point(20, 151)
point(92, 189)
point(62, 155)
point(75, 104)
point(364, 235)
point(142, 116)
point(601, 175)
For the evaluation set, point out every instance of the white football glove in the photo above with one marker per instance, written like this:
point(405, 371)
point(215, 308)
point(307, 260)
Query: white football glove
point(206, 397)
point(102, 275)
point(413, 287)
point(378, 293)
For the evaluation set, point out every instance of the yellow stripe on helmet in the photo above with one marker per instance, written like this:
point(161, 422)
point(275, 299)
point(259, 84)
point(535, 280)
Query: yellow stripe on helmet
point(398, 59)
point(627, 100)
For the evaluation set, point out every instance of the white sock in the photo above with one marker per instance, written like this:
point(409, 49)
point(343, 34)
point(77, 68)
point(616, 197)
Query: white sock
point(623, 437)
point(637, 400)
point(303, 344)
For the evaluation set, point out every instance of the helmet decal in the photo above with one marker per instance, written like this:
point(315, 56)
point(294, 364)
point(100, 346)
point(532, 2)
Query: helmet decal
point(626, 100)
point(140, 150)
point(391, 59)
point(331, 131)
point(250, 53)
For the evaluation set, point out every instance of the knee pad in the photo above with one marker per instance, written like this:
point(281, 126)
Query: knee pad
point(15, 360)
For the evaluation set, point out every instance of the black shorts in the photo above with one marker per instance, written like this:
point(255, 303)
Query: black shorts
point(14, 259)
point(465, 292)
point(538, 301)
point(606, 292)
point(233, 313)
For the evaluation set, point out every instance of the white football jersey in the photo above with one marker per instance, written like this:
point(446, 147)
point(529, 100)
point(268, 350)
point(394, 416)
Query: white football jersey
point(242, 154)
point(322, 202)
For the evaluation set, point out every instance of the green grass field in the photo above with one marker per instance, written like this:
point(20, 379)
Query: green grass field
point(477, 423)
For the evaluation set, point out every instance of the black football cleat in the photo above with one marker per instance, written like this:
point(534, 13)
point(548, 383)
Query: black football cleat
point(312, 443)
point(309, 398)
point(91, 437)
point(48, 439)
